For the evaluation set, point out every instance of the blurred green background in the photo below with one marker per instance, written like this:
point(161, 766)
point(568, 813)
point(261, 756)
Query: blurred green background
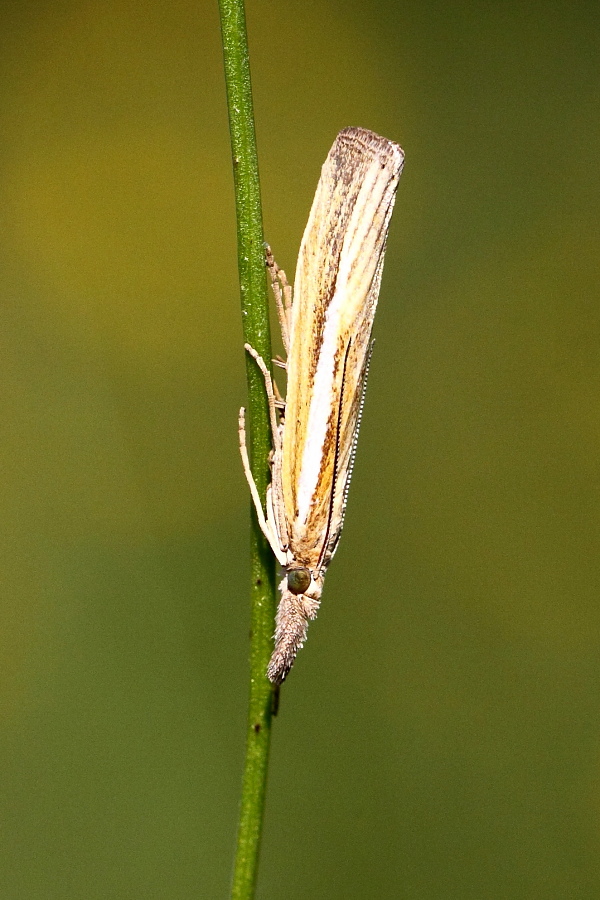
point(439, 735)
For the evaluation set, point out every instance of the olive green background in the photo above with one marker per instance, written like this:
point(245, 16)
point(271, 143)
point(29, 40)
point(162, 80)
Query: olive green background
point(439, 736)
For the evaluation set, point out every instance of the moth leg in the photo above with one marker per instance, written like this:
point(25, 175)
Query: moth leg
point(272, 523)
point(282, 292)
point(264, 525)
point(276, 500)
point(272, 399)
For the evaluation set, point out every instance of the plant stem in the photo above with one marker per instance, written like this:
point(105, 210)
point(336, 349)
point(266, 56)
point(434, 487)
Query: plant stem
point(255, 319)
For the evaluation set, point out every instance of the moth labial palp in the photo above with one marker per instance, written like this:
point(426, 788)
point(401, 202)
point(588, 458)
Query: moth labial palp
point(326, 327)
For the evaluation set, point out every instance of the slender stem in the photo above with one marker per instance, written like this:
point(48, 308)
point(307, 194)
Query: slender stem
point(255, 319)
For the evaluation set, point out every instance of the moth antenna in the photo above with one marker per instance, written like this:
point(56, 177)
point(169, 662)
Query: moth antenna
point(363, 392)
point(281, 292)
point(336, 460)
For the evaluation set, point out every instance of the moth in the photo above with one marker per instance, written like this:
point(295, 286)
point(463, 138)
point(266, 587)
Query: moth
point(326, 330)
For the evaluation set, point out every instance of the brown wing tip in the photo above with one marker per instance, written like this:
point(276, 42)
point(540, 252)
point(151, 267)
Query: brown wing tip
point(369, 141)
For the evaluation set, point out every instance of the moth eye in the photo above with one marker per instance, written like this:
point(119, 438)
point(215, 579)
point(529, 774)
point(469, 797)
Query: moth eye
point(298, 580)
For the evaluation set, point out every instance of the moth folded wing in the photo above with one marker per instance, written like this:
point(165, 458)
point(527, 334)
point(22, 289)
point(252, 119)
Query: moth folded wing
point(362, 280)
point(291, 625)
point(335, 296)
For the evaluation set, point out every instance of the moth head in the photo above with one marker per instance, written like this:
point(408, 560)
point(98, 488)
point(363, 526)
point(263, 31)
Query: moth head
point(298, 579)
